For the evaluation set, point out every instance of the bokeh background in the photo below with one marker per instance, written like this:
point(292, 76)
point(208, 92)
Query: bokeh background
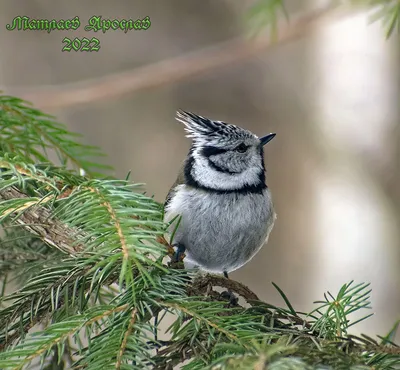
point(331, 94)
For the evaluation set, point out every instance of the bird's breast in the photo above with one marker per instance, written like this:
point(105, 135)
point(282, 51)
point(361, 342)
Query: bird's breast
point(221, 231)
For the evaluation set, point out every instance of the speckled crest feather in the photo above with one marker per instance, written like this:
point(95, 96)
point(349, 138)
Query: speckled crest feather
point(203, 130)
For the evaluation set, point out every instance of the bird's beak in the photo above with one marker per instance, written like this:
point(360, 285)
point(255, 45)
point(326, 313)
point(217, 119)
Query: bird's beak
point(266, 139)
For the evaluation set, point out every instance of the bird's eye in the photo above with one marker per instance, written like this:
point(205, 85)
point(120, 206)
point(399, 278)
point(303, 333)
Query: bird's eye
point(241, 148)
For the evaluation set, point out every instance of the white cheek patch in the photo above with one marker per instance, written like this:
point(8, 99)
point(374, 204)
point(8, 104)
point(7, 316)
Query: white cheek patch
point(207, 176)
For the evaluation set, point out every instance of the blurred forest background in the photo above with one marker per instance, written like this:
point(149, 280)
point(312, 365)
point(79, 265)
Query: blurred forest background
point(331, 94)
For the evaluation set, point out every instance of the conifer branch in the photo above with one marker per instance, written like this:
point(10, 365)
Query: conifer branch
point(125, 340)
point(40, 222)
point(201, 285)
point(98, 270)
point(55, 334)
point(116, 222)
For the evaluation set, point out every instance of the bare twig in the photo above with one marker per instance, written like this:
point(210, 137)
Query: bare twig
point(168, 71)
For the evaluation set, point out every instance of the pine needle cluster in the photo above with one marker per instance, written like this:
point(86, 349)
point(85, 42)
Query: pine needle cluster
point(86, 283)
point(85, 263)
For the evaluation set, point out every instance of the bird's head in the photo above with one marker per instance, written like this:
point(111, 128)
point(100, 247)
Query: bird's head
point(223, 157)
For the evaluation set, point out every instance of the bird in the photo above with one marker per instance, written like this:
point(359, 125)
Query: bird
point(220, 197)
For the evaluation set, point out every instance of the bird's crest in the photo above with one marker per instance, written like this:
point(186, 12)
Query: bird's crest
point(203, 130)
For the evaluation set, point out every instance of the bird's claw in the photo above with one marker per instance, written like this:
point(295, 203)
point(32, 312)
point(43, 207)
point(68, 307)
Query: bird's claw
point(179, 254)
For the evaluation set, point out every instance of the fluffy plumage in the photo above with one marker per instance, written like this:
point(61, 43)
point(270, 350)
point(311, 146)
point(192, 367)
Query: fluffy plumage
point(221, 194)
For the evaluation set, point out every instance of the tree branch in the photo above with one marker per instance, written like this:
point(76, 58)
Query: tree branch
point(201, 285)
point(39, 222)
point(168, 71)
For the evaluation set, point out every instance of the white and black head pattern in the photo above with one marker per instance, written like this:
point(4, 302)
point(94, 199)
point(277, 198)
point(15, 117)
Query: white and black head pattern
point(223, 158)
point(204, 131)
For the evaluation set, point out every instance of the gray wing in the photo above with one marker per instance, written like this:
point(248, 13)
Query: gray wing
point(179, 181)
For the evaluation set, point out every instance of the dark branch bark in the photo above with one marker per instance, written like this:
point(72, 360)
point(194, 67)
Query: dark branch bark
point(201, 285)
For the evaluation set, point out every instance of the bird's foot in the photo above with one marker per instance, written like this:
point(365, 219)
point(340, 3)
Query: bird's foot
point(177, 257)
point(229, 296)
point(179, 254)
